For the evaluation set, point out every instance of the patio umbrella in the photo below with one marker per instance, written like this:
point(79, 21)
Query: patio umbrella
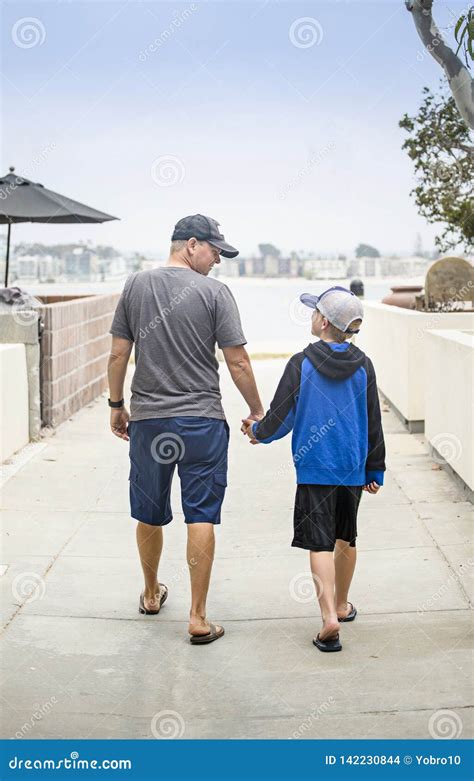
point(24, 201)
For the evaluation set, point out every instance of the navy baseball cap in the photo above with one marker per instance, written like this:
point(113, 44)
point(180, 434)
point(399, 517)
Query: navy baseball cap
point(339, 305)
point(197, 226)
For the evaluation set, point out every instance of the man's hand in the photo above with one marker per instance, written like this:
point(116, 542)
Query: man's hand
point(371, 488)
point(258, 415)
point(246, 428)
point(119, 423)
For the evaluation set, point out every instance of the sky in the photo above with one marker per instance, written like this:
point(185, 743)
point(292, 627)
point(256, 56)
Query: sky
point(279, 119)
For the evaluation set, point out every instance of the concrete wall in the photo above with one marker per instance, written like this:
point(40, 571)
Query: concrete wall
point(449, 370)
point(74, 351)
point(19, 326)
point(396, 341)
point(14, 412)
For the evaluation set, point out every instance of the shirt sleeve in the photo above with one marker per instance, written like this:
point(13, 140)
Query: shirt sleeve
point(121, 323)
point(375, 464)
point(280, 418)
point(228, 328)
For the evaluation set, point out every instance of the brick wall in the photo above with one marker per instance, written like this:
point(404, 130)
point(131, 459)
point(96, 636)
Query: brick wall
point(74, 351)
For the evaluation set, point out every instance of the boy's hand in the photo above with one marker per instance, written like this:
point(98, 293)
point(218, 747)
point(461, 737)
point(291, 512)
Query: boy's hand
point(246, 428)
point(371, 488)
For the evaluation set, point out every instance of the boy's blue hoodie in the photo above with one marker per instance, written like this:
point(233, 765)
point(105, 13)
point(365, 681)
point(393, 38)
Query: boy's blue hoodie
point(328, 397)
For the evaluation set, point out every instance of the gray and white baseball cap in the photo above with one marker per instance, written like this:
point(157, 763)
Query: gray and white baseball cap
point(339, 305)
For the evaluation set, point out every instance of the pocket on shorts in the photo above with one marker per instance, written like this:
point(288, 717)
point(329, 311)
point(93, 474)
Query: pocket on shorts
point(220, 478)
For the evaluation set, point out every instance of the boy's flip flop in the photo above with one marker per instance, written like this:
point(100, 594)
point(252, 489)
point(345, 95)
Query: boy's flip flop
point(350, 616)
point(328, 645)
point(214, 634)
point(142, 609)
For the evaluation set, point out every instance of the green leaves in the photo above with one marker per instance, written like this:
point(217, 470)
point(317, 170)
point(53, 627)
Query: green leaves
point(438, 142)
point(464, 35)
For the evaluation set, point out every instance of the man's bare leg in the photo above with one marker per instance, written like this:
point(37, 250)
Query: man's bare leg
point(345, 560)
point(323, 571)
point(150, 545)
point(200, 555)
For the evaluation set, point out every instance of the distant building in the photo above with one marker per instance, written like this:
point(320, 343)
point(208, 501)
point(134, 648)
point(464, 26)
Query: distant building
point(82, 264)
point(147, 265)
point(267, 266)
point(228, 267)
point(115, 267)
point(388, 267)
point(27, 267)
point(48, 267)
point(271, 265)
point(413, 266)
point(325, 268)
point(248, 267)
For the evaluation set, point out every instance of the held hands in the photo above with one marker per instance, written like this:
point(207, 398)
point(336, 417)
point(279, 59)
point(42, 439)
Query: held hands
point(246, 428)
point(371, 488)
point(119, 423)
point(247, 424)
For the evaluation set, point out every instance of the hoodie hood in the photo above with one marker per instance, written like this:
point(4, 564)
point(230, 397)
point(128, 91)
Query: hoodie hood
point(335, 364)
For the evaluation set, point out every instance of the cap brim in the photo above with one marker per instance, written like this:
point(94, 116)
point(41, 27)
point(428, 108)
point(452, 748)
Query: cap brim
point(309, 300)
point(227, 250)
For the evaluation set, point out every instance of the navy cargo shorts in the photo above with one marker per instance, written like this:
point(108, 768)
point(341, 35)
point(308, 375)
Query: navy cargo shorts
point(198, 447)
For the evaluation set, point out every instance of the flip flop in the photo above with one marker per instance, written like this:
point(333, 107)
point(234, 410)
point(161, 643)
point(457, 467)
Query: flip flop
point(214, 634)
point(328, 645)
point(350, 616)
point(142, 609)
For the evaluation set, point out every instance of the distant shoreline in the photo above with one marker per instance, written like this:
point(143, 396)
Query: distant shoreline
point(116, 285)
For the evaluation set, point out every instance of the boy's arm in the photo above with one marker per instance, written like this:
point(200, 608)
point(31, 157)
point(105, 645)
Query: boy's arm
point(375, 464)
point(280, 417)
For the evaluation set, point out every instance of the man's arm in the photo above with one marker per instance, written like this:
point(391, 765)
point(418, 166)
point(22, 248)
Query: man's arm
point(240, 368)
point(116, 371)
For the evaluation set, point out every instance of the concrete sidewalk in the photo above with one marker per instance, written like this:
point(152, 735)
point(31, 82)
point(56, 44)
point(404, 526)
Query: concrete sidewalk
point(78, 661)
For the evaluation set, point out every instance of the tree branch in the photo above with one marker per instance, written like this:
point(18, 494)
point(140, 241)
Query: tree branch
point(459, 78)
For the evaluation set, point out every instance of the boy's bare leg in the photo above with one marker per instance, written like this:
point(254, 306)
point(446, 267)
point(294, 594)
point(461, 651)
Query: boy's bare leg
point(345, 560)
point(200, 555)
point(150, 545)
point(323, 571)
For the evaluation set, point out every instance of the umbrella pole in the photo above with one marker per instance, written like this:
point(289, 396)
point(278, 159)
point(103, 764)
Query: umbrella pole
point(7, 258)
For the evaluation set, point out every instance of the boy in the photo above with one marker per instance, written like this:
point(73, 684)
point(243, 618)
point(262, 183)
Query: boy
point(328, 397)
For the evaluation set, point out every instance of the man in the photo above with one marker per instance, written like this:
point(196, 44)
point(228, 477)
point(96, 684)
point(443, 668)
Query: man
point(175, 315)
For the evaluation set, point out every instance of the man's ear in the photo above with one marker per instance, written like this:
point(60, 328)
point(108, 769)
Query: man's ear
point(191, 245)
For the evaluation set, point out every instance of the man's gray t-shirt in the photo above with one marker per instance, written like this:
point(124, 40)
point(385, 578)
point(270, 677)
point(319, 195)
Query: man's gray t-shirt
point(175, 317)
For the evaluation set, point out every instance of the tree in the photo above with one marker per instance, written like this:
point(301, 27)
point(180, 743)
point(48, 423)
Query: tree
point(464, 34)
point(366, 251)
point(438, 144)
point(35, 248)
point(459, 79)
point(268, 249)
point(106, 252)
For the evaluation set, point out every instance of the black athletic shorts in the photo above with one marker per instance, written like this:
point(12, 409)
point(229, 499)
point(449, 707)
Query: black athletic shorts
point(324, 514)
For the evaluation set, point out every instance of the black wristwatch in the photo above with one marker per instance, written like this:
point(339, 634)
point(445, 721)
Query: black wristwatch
point(115, 404)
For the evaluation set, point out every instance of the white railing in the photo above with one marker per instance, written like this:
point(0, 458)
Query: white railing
point(396, 341)
point(14, 413)
point(449, 397)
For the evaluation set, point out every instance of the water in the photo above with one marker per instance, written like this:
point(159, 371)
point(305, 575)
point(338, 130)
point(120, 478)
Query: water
point(271, 314)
